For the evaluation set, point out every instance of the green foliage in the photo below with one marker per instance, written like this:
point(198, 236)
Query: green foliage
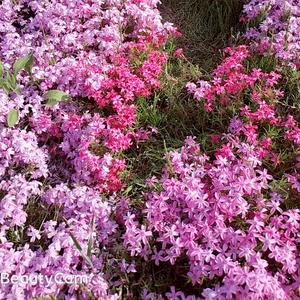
point(12, 117)
point(8, 79)
point(1, 71)
point(8, 82)
point(55, 96)
point(90, 242)
point(23, 63)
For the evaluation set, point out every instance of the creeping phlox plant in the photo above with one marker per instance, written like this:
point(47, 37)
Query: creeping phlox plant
point(220, 218)
point(103, 52)
point(278, 28)
point(70, 72)
point(70, 75)
point(259, 114)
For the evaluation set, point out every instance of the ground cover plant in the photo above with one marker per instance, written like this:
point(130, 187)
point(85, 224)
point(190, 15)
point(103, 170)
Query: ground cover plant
point(158, 164)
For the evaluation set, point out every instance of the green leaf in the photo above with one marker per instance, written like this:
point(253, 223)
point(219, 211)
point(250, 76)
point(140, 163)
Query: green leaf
point(55, 96)
point(12, 117)
point(6, 86)
point(1, 70)
point(87, 259)
point(51, 102)
point(18, 90)
point(11, 81)
point(79, 248)
point(90, 246)
point(90, 242)
point(128, 190)
point(23, 63)
point(1, 83)
point(76, 243)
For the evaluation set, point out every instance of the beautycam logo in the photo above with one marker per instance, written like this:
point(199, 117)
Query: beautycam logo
point(45, 280)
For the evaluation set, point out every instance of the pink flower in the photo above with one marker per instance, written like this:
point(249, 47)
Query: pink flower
point(178, 53)
point(33, 233)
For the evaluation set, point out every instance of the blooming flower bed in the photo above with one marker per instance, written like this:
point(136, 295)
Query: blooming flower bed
point(71, 75)
point(222, 217)
point(278, 28)
point(59, 154)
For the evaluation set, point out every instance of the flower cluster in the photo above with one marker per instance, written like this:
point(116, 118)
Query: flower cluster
point(80, 207)
point(255, 100)
point(278, 28)
point(260, 123)
point(222, 216)
point(58, 156)
point(71, 72)
point(231, 78)
point(82, 49)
